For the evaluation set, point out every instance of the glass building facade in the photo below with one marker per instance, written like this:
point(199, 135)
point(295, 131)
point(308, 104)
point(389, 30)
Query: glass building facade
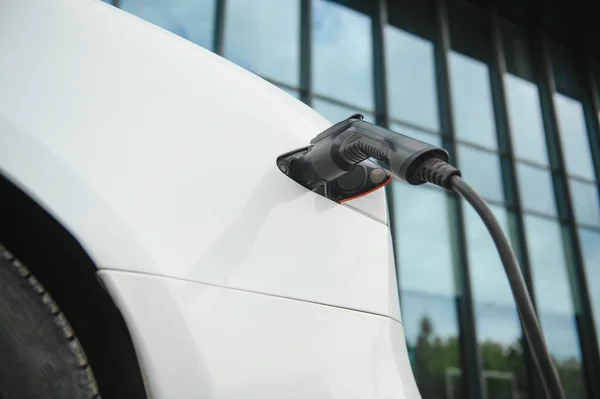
point(516, 106)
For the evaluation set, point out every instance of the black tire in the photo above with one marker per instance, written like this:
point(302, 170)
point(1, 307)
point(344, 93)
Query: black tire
point(40, 357)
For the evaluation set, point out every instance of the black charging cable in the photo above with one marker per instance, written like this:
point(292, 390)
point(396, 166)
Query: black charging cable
point(531, 326)
point(338, 149)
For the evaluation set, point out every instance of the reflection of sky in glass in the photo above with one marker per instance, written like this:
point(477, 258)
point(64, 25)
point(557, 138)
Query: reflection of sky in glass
point(264, 37)
point(573, 134)
point(536, 189)
point(525, 117)
point(489, 281)
point(497, 323)
point(335, 113)
point(424, 258)
point(481, 170)
point(590, 246)
point(585, 202)
point(342, 53)
point(548, 265)
point(560, 332)
point(432, 354)
point(440, 309)
point(411, 78)
point(416, 134)
point(551, 284)
point(472, 100)
point(191, 19)
point(424, 253)
point(496, 314)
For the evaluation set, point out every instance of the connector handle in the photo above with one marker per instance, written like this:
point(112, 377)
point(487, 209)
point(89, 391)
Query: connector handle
point(338, 149)
point(403, 154)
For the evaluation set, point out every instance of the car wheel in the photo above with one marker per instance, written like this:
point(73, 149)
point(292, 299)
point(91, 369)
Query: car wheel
point(40, 354)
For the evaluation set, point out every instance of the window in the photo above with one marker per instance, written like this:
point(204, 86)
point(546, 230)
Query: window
point(472, 100)
point(585, 203)
point(490, 284)
point(191, 19)
point(342, 59)
point(535, 185)
point(523, 101)
point(547, 258)
point(554, 300)
point(498, 328)
point(570, 114)
point(590, 248)
point(422, 258)
point(481, 169)
point(499, 333)
point(426, 282)
point(417, 134)
point(470, 78)
point(412, 92)
point(263, 36)
point(525, 117)
point(335, 113)
point(573, 134)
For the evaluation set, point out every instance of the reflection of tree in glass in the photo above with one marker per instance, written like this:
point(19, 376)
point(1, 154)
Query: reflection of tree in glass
point(571, 377)
point(505, 373)
point(432, 356)
point(496, 358)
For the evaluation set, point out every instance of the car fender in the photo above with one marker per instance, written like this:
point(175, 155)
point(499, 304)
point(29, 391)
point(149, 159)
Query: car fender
point(159, 157)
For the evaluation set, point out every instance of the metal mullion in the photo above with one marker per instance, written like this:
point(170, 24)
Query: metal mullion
point(342, 103)
point(380, 19)
point(511, 187)
point(541, 215)
point(595, 229)
point(562, 220)
point(306, 90)
point(416, 127)
point(581, 46)
point(581, 296)
point(531, 163)
point(478, 147)
point(593, 122)
point(278, 83)
point(583, 179)
point(587, 226)
point(473, 382)
point(511, 183)
point(494, 202)
point(219, 30)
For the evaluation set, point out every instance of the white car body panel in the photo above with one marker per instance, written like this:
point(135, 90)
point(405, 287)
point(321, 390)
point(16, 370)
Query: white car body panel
point(142, 160)
point(159, 157)
point(271, 347)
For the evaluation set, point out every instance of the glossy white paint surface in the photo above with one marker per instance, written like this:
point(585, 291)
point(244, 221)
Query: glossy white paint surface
point(159, 157)
point(201, 341)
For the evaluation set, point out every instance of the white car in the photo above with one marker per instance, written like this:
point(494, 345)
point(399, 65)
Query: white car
point(151, 247)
